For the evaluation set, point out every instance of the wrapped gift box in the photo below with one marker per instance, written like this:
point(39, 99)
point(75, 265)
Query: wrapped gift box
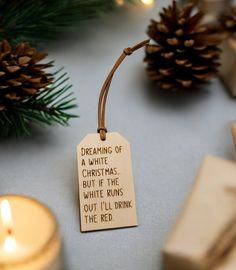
point(233, 132)
point(212, 8)
point(204, 236)
point(228, 68)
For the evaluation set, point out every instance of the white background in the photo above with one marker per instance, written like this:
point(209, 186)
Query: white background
point(169, 135)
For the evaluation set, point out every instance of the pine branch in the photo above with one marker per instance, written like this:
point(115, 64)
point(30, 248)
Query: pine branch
point(42, 20)
point(48, 106)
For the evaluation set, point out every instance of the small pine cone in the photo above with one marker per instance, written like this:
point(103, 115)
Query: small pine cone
point(184, 54)
point(228, 20)
point(20, 74)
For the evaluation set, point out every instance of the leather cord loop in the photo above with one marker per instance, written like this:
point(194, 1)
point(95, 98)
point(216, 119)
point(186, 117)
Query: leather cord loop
point(106, 86)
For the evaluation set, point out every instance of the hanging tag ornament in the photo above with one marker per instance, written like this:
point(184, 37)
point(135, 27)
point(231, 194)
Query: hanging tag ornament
point(106, 188)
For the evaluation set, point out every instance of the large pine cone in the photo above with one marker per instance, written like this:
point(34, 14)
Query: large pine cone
point(184, 53)
point(20, 74)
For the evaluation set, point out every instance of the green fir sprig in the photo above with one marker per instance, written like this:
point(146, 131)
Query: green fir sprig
point(29, 93)
point(42, 20)
point(51, 105)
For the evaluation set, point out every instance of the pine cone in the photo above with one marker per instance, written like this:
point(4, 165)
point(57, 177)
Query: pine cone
point(228, 20)
point(20, 74)
point(184, 53)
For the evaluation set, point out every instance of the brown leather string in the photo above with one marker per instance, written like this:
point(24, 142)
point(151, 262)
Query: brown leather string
point(105, 88)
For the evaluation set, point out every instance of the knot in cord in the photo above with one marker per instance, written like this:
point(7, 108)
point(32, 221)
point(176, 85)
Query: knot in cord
point(128, 51)
point(102, 131)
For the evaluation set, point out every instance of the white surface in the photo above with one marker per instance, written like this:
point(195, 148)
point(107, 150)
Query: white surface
point(169, 134)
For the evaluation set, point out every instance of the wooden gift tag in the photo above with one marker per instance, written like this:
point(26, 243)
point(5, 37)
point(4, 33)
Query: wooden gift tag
point(106, 189)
